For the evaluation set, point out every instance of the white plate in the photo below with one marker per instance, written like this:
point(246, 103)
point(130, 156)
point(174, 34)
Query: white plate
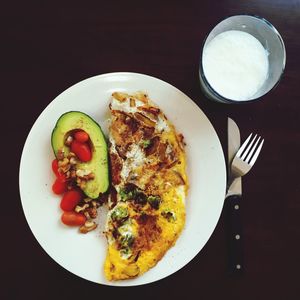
point(82, 254)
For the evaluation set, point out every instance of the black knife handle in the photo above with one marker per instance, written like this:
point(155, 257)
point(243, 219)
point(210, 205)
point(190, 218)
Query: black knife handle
point(234, 235)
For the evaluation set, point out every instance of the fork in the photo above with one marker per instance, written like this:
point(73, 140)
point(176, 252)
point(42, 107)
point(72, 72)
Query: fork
point(246, 156)
point(241, 165)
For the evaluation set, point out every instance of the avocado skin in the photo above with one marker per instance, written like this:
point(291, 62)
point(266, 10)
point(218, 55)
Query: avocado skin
point(99, 163)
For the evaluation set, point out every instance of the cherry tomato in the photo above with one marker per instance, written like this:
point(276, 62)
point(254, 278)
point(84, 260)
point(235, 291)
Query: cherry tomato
point(59, 186)
point(81, 136)
point(55, 167)
point(70, 199)
point(81, 150)
point(73, 218)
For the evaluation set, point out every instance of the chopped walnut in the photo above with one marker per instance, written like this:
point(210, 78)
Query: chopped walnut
point(88, 226)
point(86, 213)
point(79, 208)
point(90, 176)
point(60, 154)
point(73, 160)
point(81, 182)
point(92, 211)
point(73, 174)
point(63, 162)
point(65, 169)
point(95, 204)
point(81, 173)
point(71, 154)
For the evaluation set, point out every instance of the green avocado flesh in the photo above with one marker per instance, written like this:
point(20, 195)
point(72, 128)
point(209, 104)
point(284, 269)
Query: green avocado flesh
point(99, 163)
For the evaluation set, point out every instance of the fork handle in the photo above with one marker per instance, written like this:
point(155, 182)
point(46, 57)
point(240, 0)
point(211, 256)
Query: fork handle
point(234, 234)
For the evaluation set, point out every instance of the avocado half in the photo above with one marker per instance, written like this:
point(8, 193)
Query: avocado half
point(99, 163)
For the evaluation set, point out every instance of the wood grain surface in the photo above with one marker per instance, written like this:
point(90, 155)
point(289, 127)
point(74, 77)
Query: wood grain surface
point(47, 47)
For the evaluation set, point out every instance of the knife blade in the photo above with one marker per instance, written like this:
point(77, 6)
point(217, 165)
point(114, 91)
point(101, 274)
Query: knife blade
point(233, 205)
point(233, 144)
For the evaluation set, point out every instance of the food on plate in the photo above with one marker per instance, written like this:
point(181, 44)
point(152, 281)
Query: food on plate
point(89, 156)
point(72, 218)
point(148, 182)
point(81, 168)
point(149, 186)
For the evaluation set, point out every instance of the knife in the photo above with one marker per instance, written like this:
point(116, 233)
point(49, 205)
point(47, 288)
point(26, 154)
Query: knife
point(233, 205)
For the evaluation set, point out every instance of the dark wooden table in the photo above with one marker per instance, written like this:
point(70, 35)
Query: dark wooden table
point(47, 47)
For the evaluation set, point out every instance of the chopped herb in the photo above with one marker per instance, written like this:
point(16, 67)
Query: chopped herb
point(140, 198)
point(169, 215)
point(123, 195)
point(132, 192)
point(125, 252)
point(127, 195)
point(126, 240)
point(145, 143)
point(119, 214)
point(154, 201)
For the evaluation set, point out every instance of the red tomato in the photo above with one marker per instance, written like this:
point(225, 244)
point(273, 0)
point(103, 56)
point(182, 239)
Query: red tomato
point(59, 186)
point(55, 167)
point(81, 150)
point(70, 199)
point(81, 136)
point(60, 176)
point(73, 218)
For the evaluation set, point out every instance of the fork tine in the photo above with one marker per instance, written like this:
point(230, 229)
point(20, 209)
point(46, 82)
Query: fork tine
point(243, 157)
point(238, 154)
point(252, 150)
point(252, 161)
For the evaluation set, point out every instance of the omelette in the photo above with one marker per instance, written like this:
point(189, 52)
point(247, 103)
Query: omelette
point(149, 186)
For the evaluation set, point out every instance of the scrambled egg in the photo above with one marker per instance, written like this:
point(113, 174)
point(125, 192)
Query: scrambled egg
point(149, 186)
